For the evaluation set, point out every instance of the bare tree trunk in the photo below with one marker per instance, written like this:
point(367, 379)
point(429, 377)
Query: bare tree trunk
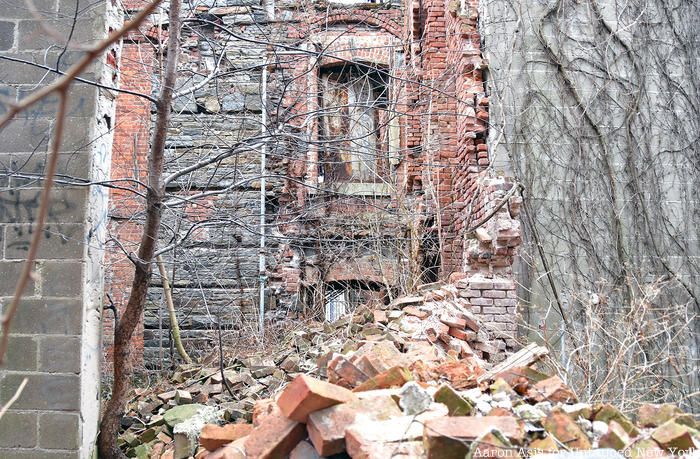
point(122, 359)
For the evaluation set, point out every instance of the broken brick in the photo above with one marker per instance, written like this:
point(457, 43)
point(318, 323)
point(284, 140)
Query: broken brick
point(322, 362)
point(185, 445)
point(673, 436)
point(264, 409)
point(274, 439)
point(405, 428)
point(394, 377)
point(646, 448)
point(305, 395)
point(415, 312)
point(607, 413)
point(687, 420)
point(290, 364)
point(521, 378)
point(453, 322)
point(578, 410)
point(304, 450)
point(458, 333)
point(437, 331)
point(470, 322)
point(235, 450)
point(542, 445)
point(498, 411)
point(421, 351)
point(500, 385)
point(552, 389)
point(183, 397)
point(327, 427)
point(406, 300)
point(379, 353)
point(380, 316)
point(447, 438)
point(566, 430)
point(615, 437)
point(456, 404)
point(650, 415)
point(461, 374)
point(465, 351)
point(346, 370)
point(402, 450)
point(368, 366)
point(491, 444)
point(167, 396)
point(365, 439)
point(488, 348)
point(214, 436)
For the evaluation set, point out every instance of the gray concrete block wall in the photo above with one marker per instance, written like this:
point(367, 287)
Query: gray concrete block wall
point(540, 135)
point(56, 414)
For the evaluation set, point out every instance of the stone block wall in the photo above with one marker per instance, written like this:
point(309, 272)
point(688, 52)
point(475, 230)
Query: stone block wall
point(54, 341)
point(604, 156)
point(214, 269)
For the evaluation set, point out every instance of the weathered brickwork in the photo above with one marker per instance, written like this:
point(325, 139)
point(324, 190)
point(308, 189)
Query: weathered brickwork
point(415, 224)
point(494, 300)
point(479, 212)
point(129, 153)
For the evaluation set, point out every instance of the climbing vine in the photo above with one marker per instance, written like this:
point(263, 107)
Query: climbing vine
point(595, 110)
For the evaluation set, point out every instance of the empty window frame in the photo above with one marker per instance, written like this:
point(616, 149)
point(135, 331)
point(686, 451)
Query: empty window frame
point(336, 305)
point(342, 298)
point(353, 125)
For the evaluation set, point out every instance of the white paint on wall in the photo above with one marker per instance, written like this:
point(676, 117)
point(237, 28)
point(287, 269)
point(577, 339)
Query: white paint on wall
point(101, 127)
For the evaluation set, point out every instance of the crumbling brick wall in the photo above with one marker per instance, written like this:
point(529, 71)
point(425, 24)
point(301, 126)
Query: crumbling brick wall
point(321, 234)
point(478, 210)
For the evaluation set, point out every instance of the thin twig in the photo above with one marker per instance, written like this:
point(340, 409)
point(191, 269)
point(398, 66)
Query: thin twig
point(14, 398)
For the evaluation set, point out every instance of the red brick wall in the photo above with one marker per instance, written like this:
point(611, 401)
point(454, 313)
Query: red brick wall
point(479, 236)
point(368, 37)
point(455, 137)
point(439, 140)
point(129, 154)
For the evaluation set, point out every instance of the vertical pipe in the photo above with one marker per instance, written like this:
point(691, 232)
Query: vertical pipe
point(269, 9)
point(263, 167)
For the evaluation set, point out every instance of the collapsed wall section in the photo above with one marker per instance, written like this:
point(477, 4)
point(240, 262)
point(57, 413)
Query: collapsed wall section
point(372, 119)
point(478, 207)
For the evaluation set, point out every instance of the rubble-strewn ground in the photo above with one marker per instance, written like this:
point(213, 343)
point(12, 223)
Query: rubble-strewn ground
point(421, 378)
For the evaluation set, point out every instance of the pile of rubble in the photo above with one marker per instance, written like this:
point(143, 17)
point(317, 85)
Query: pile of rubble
point(444, 317)
point(414, 381)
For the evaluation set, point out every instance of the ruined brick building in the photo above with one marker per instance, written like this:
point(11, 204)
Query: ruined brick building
point(388, 130)
point(373, 121)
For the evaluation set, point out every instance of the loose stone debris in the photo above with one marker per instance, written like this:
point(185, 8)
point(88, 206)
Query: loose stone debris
point(417, 380)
